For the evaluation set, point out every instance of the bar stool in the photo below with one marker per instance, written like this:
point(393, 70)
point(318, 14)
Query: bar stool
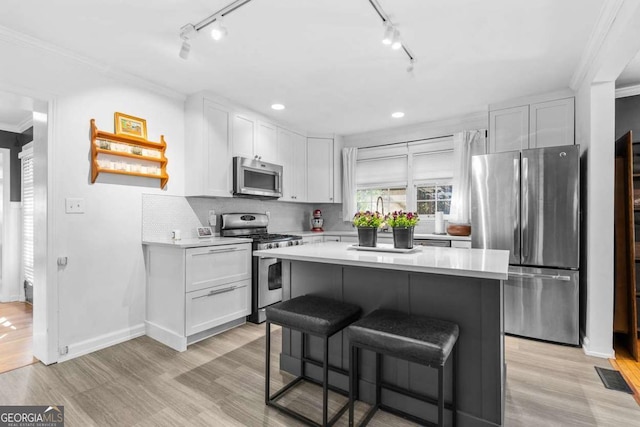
point(416, 339)
point(316, 316)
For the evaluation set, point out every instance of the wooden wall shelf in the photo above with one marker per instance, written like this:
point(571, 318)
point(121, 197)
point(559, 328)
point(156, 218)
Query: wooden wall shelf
point(139, 157)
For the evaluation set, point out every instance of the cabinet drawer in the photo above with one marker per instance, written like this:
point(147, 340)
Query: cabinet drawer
point(217, 265)
point(214, 306)
point(461, 244)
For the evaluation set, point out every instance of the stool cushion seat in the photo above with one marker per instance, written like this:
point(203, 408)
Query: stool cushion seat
point(415, 338)
point(314, 315)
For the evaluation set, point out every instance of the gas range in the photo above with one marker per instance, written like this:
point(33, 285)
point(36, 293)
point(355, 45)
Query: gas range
point(266, 277)
point(254, 226)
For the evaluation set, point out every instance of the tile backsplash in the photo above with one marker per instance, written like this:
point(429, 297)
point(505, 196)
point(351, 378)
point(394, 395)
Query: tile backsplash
point(161, 214)
point(284, 216)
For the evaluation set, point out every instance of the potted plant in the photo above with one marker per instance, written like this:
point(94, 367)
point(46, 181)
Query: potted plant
point(402, 224)
point(367, 224)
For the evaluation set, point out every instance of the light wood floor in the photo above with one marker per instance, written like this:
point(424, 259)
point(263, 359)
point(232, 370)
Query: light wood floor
point(219, 382)
point(628, 367)
point(16, 337)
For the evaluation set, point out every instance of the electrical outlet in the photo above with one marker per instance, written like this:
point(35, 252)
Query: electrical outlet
point(64, 350)
point(212, 218)
point(74, 205)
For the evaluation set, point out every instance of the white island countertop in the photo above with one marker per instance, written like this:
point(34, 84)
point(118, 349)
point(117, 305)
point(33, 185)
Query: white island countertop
point(481, 263)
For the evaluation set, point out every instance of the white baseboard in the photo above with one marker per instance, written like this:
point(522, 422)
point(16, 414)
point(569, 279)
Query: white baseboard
point(165, 336)
point(11, 298)
point(103, 341)
point(606, 354)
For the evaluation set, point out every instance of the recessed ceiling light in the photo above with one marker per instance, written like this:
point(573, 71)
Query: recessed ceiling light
point(277, 107)
point(397, 115)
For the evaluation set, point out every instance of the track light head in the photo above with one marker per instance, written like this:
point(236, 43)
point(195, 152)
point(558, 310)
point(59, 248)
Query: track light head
point(218, 30)
point(186, 34)
point(396, 43)
point(185, 49)
point(387, 39)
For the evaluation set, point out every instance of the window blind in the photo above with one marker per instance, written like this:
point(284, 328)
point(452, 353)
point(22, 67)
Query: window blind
point(27, 215)
point(382, 166)
point(429, 166)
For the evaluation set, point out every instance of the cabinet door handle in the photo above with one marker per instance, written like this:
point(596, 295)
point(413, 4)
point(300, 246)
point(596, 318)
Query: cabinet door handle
point(217, 291)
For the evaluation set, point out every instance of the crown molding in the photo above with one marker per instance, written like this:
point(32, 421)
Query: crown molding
point(591, 53)
point(8, 127)
point(25, 124)
point(23, 40)
point(623, 92)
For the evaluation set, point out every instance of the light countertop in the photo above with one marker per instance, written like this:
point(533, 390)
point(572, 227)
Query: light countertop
point(481, 263)
point(198, 243)
point(381, 234)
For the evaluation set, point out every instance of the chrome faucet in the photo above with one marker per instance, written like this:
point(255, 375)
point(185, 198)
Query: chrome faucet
point(380, 201)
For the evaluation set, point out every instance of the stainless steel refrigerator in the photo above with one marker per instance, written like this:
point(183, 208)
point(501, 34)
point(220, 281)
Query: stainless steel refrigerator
point(528, 203)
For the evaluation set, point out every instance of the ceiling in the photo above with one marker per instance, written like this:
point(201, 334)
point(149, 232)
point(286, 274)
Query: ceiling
point(631, 74)
point(324, 59)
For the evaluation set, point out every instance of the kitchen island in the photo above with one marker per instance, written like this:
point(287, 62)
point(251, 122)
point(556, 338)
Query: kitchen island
point(458, 285)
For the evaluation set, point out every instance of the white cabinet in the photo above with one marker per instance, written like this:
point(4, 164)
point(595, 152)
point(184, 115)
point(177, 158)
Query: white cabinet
point(194, 293)
point(551, 124)
point(292, 155)
point(320, 170)
point(307, 240)
point(509, 129)
point(266, 147)
point(254, 139)
point(461, 244)
point(537, 125)
point(207, 148)
point(244, 135)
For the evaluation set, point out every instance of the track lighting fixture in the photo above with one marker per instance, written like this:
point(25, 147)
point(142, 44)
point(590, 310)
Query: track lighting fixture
point(391, 34)
point(388, 34)
point(186, 33)
point(218, 30)
point(396, 42)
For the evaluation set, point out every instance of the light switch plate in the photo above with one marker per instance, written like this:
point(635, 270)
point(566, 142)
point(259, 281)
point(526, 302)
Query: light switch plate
point(74, 205)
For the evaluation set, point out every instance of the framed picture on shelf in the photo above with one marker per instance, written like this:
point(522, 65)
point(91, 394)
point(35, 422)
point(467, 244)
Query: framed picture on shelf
point(130, 126)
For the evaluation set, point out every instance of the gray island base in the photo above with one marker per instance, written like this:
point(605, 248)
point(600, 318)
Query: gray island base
point(473, 300)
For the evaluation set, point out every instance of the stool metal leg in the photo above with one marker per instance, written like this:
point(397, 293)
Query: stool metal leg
point(353, 378)
point(267, 373)
point(441, 395)
point(454, 379)
point(325, 383)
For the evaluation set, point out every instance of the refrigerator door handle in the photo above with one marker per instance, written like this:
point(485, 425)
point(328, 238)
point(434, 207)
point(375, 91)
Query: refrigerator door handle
point(515, 248)
point(541, 276)
point(525, 206)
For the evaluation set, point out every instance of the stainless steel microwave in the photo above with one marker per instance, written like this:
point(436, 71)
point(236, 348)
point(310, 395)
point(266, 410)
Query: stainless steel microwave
point(252, 177)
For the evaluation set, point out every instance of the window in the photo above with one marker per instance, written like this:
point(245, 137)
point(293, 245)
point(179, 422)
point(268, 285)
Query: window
point(433, 197)
point(394, 199)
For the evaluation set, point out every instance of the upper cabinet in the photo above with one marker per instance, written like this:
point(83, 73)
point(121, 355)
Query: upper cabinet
point(244, 135)
point(320, 170)
point(509, 129)
point(254, 139)
point(207, 148)
point(536, 125)
point(216, 131)
point(292, 155)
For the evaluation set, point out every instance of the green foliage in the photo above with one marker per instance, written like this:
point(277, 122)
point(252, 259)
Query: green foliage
point(368, 219)
point(402, 219)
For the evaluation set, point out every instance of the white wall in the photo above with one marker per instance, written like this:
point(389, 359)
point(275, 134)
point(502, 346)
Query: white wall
point(102, 289)
point(100, 297)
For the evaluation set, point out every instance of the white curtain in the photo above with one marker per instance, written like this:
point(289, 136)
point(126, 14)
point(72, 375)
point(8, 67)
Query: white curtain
point(349, 160)
point(465, 145)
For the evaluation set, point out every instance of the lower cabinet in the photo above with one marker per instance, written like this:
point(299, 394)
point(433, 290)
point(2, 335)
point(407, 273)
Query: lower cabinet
point(194, 293)
point(461, 244)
